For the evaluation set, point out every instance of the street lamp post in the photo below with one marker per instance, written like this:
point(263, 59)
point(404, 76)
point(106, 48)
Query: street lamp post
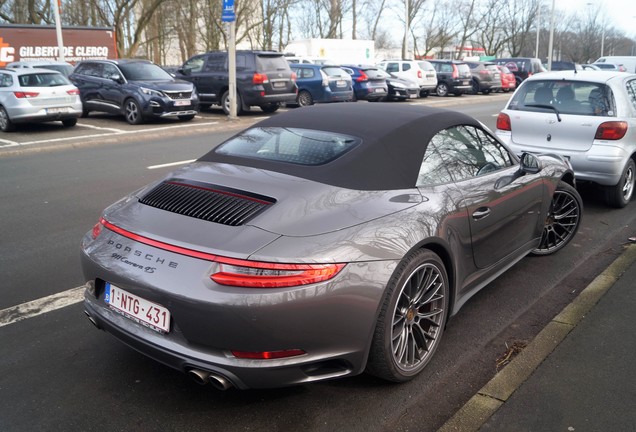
point(536, 50)
point(551, 42)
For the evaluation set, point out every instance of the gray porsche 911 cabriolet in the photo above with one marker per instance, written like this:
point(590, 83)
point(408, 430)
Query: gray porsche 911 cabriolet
point(321, 243)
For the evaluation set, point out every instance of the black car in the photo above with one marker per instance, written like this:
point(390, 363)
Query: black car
point(137, 89)
point(566, 65)
point(521, 67)
point(486, 77)
point(263, 79)
point(452, 77)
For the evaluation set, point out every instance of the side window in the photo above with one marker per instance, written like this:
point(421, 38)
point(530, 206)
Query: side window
point(406, 66)
point(216, 63)
point(241, 62)
point(392, 67)
point(194, 65)
point(466, 152)
point(447, 67)
point(5, 80)
point(89, 69)
point(308, 73)
point(109, 70)
point(631, 92)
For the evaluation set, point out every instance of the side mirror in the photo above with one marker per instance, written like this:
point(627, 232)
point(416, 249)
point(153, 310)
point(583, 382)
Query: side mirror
point(530, 164)
point(116, 77)
point(183, 71)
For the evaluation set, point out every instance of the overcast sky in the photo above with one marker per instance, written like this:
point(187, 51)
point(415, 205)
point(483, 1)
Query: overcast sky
point(621, 13)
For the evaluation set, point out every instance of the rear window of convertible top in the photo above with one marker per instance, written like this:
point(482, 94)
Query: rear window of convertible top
point(290, 145)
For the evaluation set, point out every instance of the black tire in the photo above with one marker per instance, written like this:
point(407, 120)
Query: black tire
point(69, 122)
point(424, 93)
point(620, 195)
point(475, 87)
point(270, 108)
point(486, 91)
point(132, 112)
point(225, 103)
point(562, 221)
point(415, 307)
point(6, 125)
point(441, 89)
point(185, 118)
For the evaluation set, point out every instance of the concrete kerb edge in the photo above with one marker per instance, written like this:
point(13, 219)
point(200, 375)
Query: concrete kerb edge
point(498, 390)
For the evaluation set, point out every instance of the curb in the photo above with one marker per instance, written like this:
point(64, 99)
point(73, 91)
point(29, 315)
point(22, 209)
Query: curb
point(498, 390)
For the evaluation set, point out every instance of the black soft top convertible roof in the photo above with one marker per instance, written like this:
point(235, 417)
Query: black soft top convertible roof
point(393, 141)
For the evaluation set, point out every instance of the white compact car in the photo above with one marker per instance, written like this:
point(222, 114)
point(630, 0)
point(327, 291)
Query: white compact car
point(589, 117)
point(29, 95)
point(420, 71)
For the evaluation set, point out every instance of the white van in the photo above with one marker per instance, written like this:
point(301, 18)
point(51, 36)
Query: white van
point(628, 61)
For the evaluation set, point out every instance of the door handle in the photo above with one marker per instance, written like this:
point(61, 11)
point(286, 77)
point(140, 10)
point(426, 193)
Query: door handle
point(481, 213)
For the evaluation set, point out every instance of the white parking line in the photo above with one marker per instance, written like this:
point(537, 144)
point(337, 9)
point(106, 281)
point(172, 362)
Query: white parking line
point(38, 307)
point(171, 164)
point(100, 128)
point(8, 143)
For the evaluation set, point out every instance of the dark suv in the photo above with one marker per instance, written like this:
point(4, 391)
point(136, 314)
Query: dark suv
point(452, 77)
point(263, 78)
point(486, 77)
point(521, 67)
point(138, 89)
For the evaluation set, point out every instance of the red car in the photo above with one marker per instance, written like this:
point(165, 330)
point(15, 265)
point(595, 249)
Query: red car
point(507, 79)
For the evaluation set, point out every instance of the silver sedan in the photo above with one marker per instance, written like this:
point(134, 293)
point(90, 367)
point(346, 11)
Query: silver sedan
point(30, 95)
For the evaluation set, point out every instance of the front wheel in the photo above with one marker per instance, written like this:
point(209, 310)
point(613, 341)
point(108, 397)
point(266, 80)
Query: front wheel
point(620, 195)
point(562, 221)
point(412, 319)
point(132, 111)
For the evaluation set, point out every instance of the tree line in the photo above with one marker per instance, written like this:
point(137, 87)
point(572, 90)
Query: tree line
point(154, 29)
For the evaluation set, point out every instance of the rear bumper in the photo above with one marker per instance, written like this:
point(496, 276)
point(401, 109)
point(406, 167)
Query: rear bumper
point(36, 114)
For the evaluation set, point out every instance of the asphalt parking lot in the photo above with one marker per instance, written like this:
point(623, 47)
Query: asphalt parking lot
point(101, 127)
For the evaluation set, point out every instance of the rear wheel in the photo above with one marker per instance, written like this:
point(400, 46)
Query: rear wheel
point(5, 122)
point(562, 221)
point(132, 111)
point(620, 195)
point(69, 122)
point(225, 103)
point(270, 108)
point(441, 89)
point(412, 319)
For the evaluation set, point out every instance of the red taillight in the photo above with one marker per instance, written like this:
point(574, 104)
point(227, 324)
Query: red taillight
point(97, 229)
point(455, 72)
point(73, 92)
point(613, 130)
point(244, 273)
point(294, 76)
point(267, 355)
point(259, 78)
point(419, 74)
point(25, 95)
point(503, 122)
point(363, 77)
point(252, 274)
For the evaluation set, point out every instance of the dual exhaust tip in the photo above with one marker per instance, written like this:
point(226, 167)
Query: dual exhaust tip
point(199, 376)
point(202, 377)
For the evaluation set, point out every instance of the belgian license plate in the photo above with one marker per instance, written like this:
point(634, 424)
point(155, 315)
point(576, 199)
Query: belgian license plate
point(278, 84)
point(379, 90)
point(57, 110)
point(341, 83)
point(138, 309)
point(413, 95)
point(465, 82)
point(181, 102)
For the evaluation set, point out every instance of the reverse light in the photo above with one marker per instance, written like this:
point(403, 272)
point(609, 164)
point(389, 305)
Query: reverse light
point(503, 122)
point(267, 355)
point(238, 272)
point(25, 95)
point(259, 78)
point(612, 130)
point(253, 274)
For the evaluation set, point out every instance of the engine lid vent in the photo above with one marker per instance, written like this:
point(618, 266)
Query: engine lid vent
point(205, 201)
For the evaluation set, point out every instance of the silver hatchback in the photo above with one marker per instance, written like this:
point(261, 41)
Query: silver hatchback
point(589, 117)
point(37, 95)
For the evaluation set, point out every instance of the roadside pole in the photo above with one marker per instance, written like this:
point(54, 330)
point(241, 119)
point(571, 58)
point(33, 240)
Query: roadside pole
point(229, 17)
point(58, 29)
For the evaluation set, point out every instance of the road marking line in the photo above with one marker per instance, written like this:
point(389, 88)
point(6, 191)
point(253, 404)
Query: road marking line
point(9, 143)
point(100, 128)
point(40, 306)
point(171, 164)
